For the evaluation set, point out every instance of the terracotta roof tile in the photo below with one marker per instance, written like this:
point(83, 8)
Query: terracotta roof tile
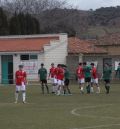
point(77, 45)
point(111, 39)
point(17, 45)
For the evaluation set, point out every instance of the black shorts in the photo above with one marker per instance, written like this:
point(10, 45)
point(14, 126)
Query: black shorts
point(43, 81)
point(67, 81)
point(107, 80)
point(88, 79)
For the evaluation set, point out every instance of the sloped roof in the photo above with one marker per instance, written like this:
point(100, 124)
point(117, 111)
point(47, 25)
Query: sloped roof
point(76, 46)
point(25, 44)
point(110, 39)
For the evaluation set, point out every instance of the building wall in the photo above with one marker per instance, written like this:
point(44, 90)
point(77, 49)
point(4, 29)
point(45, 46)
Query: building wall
point(0, 70)
point(72, 63)
point(113, 50)
point(56, 53)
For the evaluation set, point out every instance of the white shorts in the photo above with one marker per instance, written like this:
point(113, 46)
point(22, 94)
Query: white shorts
point(81, 81)
point(60, 82)
point(55, 81)
point(95, 81)
point(20, 88)
point(52, 80)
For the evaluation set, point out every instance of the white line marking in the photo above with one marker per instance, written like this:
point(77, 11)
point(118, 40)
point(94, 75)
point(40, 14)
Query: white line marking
point(74, 112)
point(99, 126)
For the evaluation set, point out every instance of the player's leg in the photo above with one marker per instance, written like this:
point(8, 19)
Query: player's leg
point(42, 86)
point(59, 87)
point(82, 82)
point(92, 86)
point(17, 93)
point(97, 85)
point(23, 89)
point(47, 88)
point(68, 88)
point(107, 86)
point(65, 86)
point(88, 87)
point(53, 85)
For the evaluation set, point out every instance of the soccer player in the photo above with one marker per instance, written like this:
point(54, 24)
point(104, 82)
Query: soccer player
point(118, 71)
point(67, 80)
point(42, 73)
point(21, 80)
point(81, 77)
point(60, 79)
point(107, 76)
point(87, 73)
point(94, 79)
point(52, 76)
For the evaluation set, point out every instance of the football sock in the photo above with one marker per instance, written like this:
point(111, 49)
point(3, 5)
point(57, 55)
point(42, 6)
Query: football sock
point(16, 96)
point(24, 96)
point(43, 89)
point(47, 89)
point(92, 90)
point(98, 89)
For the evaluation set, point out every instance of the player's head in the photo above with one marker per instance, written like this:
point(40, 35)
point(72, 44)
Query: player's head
point(42, 65)
point(84, 63)
point(52, 65)
point(119, 64)
point(80, 64)
point(58, 65)
point(20, 67)
point(92, 64)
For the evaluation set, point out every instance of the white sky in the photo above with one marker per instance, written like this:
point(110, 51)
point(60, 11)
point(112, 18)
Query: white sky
point(93, 4)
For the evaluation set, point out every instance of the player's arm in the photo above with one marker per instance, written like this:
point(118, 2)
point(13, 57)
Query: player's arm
point(49, 74)
point(25, 75)
point(46, 73)
point(39, 74)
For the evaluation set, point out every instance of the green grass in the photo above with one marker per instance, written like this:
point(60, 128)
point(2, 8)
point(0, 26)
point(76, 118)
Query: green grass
point(54, 112)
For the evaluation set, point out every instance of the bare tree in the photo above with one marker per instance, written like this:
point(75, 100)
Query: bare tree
point(32, 6)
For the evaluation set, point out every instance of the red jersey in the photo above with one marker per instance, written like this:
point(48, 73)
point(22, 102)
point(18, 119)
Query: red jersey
point(52, 72)
point(94, 73)
point(20, 77)
point(80, 72)
point(59, 73)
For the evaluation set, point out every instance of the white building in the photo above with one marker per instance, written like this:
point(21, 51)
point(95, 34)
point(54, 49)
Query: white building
point(30, 51)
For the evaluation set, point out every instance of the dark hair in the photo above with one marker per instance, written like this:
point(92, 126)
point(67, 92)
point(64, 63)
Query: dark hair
point(42, 64)
point(20, 66)
point(84, 63)
point(92, 64)
point(119, 64)
point(58, 65)
point(80, 63)
point(52, 63)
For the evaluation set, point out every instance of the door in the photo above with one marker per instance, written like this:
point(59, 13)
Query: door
point(107, 60)
point(7, 69)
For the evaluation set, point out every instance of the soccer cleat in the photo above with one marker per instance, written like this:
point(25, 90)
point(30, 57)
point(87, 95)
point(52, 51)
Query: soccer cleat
point(24, 102)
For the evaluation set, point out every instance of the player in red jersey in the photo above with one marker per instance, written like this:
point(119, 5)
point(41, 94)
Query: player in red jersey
point(52, 77)
point(94, 80)
point(80, 76)
point(60, 79)
point(21, 80)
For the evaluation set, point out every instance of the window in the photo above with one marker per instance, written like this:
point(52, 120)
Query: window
point(33, 57)
point(28, 57)
point(24, 57)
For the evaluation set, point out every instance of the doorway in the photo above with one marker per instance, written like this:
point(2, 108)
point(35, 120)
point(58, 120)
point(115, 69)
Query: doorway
point(7, 69)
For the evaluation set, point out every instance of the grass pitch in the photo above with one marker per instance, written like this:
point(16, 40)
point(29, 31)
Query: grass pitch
point(95, 111)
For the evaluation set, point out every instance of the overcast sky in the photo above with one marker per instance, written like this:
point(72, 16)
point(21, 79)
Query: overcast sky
point(93, 4)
